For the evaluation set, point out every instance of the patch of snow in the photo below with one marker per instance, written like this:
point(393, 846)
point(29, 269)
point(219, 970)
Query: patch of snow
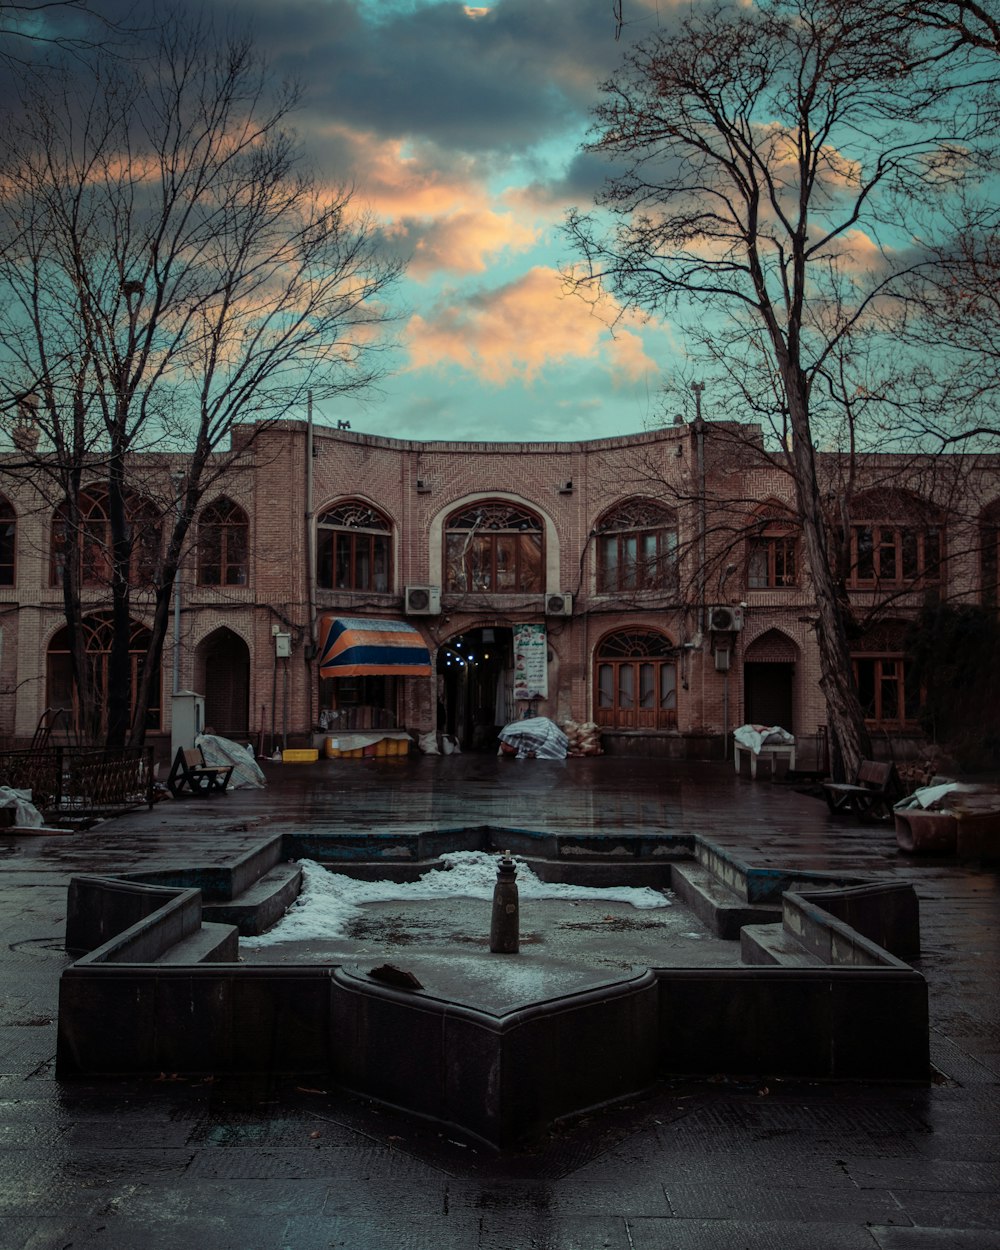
point(330, 901)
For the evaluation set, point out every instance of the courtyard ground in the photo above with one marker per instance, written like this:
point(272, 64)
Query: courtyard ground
point(713, 1165)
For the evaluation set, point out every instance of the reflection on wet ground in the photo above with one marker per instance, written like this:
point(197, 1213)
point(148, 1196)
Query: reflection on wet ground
point(758, 1163)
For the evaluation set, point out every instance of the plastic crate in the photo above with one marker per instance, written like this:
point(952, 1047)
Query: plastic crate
point(301, 755)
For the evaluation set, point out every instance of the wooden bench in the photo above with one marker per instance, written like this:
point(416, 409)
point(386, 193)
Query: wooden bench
point(872, 793)
point(190, 772)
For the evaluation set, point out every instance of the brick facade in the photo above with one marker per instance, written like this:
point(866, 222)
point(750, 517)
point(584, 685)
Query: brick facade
point(229, 630)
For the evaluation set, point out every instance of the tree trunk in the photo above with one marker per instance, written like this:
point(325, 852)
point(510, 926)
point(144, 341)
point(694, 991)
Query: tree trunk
point(848, 734)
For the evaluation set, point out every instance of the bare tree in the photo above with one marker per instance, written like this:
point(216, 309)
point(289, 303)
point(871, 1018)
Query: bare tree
point(768, 161)
point(167, 269)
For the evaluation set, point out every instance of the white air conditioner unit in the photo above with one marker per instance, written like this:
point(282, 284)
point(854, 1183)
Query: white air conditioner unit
point(423, 601)
point(723, 619)
point(559, 605)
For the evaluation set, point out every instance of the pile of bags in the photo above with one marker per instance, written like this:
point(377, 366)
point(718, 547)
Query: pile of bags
point(584, 737)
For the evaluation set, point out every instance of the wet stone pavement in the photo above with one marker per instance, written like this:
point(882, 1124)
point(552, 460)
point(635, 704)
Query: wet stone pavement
point(718, 1165)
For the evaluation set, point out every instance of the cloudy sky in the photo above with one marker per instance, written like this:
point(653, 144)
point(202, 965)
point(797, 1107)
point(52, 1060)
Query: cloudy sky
point(461, 127)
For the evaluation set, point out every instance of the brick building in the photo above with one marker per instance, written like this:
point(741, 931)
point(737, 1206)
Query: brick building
point(651, 583)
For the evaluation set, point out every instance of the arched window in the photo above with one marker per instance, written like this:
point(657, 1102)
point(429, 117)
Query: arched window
point(494, 547)
point(635, 681)
point(637, 548)
point(989, 555)
point(8, 543)
point(223, 532)
point(896, 540)
point(772, 548)
point(354, 548)
point(60, 690)
point(93, 540)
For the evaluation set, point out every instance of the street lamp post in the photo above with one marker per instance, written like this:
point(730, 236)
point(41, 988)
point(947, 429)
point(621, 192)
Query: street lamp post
point(178, 477)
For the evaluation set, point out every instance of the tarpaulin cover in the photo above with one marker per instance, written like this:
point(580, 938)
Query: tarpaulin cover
point(353, 646)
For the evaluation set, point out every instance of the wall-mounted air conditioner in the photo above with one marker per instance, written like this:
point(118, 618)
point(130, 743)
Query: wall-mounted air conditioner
point(423, 601)
point(559, 605)
point(724, 619)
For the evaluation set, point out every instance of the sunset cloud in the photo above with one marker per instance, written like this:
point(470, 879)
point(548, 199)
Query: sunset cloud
point(518, 329)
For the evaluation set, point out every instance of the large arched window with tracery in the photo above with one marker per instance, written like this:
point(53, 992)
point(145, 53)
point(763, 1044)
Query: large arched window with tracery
point(494, 547)
point(989, 555)
point(637, 548)
point(92, 539)
point(635, 680)
point(8, 543)
point(354, 548)
point(223, 534)
point(98, 633)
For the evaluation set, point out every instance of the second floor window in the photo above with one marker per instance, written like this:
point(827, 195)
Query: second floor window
point(92, 540)
point(989, 557)
point(772, 550)
point(8, 543)
point(637, 548)
point(888, 555)
point(222, 545)
point(494, 547)
point(354, 548)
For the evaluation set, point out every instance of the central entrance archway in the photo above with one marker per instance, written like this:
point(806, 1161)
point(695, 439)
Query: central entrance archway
point(475, 685)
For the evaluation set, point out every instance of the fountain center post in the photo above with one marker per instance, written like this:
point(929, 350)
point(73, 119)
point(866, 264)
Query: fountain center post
point(505, 923)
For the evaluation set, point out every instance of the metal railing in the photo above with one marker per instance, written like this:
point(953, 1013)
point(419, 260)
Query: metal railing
point(81, 781)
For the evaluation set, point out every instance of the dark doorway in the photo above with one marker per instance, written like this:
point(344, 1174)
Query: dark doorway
point(768, 694)
point(475, 679)
point(224, 663)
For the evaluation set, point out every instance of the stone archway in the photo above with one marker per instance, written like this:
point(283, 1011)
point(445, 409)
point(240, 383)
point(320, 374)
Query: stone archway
point(222, 668)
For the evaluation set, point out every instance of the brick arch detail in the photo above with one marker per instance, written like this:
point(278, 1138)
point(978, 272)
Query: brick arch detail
point(773, 646)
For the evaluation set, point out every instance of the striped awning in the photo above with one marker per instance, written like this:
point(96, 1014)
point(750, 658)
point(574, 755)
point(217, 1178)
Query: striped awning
point(354, 646)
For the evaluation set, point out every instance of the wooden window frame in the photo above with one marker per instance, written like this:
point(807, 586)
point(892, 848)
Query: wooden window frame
point(8, 543)
point(637, 523)
point(494, 547)
point(93, 541)
point(889, 541)
point(227, 520)
point(355, 536)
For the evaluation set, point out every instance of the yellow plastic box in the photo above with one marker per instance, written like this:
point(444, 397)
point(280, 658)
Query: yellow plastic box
point(302, 755)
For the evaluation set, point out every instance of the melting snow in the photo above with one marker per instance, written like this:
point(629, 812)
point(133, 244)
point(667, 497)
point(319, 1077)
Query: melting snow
point(330, 901)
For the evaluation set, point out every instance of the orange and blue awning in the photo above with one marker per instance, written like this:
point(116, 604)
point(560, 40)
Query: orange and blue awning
point(355, 646)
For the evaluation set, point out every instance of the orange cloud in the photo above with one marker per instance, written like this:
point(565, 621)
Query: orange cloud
point(519, 329)
point(435, 205)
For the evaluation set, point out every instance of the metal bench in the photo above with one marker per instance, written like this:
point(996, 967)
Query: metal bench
point(190, 772)
point(872, 793)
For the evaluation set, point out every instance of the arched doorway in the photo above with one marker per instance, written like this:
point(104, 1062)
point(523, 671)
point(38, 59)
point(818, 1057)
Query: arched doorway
point(475, 685)
point(60, 690)
point(222, 667)
point(635, 680)
point(769, 681)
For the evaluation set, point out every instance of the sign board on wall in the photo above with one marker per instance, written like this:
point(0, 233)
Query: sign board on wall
point(531, 668)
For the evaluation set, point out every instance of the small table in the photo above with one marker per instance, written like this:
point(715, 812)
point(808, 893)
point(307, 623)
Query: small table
point(772, 751)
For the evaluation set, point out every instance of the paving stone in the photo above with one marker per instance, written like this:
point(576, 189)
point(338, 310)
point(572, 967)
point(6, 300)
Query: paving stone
point(776, 1202)
point(935, 1238)
point(692, 1234)
point(926, 1175)
point(946, 1210)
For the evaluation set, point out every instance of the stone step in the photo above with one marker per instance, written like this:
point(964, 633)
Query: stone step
point(211, 944)
point(773, 944)
point(262, 905)
point(715, 904)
